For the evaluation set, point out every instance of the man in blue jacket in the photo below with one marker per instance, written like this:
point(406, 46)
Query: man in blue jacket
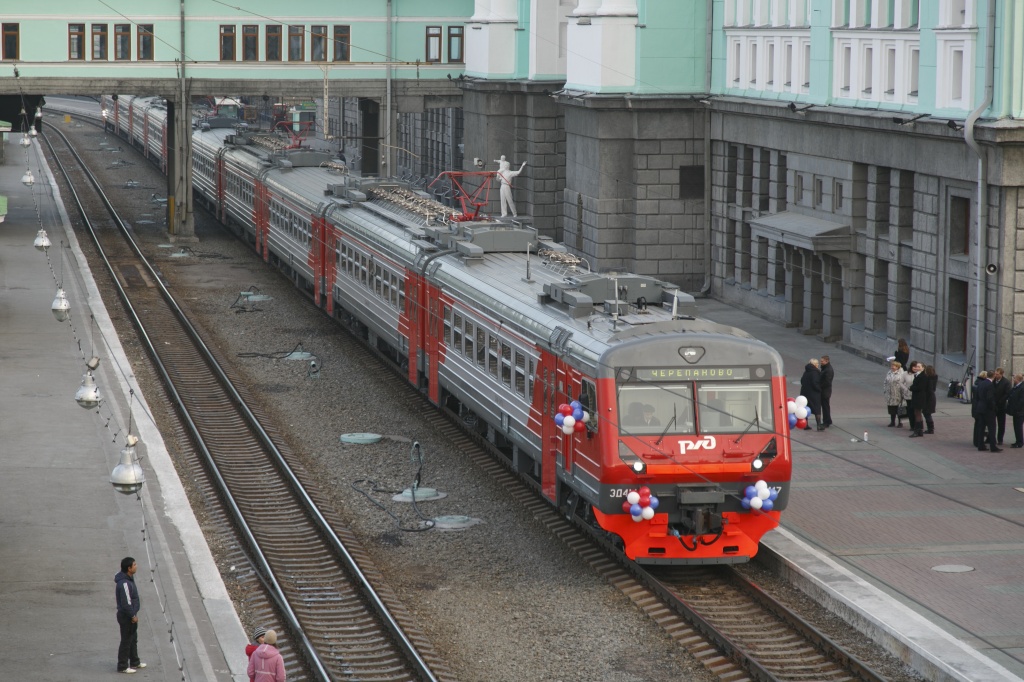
point(126, 596)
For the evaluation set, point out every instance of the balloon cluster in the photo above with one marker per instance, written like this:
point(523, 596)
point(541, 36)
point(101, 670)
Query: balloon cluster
point(759, 496)
point(798, 412)
point(572, 418)
point(640, 504)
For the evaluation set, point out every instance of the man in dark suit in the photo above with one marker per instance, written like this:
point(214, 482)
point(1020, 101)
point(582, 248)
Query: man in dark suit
point(1015, 408)
point(827, 374)
point(984, 411)
point(649, 418)
point(1001, 391)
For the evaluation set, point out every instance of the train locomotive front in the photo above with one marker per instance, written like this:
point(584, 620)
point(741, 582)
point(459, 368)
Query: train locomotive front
point(691, 423)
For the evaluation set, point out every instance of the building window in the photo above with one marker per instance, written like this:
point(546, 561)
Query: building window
point(99, 41)
point(837, 196)
point(798, 189)
point(788, 66)
point(76, 42)
point(752, 71)
point(122, 42)
point(296, 43)
point(455, 42)
point(250, 43)
point(342, 43)
point(227, 43)
point(318, 44)
point(145, 42)
point(771, 64)
point(959, 226)
point(890, 70)
point(819, 192)
point(273, 43)
point(10, 41)
point(433, 43)
point(956, 320)
point(736, 63)
point(846, 66)
point(915, 60)
point(956, 73)
point(869, 68)
point(807, 65)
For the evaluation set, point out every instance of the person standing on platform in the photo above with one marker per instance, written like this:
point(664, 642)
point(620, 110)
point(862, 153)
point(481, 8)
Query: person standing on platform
point(127, 598)
point(827, 375)
point(908, 379)
point(918, 398)
point(1015, 408)
point(1001, 391)
point(266, 664)
point(902, 354)
point(929, 410)
point(984, 411)
point(892, 389)
point(810, 388)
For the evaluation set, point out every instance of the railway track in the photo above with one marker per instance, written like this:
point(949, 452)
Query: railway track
point(316, 582)
point(733, 628)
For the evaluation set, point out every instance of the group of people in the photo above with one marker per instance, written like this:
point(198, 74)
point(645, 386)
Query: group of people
point(816, 386)
point(265, 661)
point(909, 390)
point(994, 397)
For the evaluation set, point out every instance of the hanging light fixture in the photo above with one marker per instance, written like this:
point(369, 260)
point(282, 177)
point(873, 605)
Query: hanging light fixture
point(61, 308)
point(39, 113)
point(25, 142)
point(128, 477)
point(28, 178)
point(88, 395)
point(32, 131)
point(42, 241)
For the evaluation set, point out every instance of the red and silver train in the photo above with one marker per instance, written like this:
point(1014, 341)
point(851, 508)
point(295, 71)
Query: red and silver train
point(677, 418)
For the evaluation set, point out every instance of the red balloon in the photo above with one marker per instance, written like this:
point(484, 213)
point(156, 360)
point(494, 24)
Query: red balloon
point(790, 400)
point(626, 506)
point(801, 423)
point(645, 500)
point(579, 427)
point(644, 490)
point(565, 409)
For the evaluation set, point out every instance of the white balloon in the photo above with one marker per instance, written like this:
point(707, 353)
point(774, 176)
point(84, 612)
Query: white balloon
point(791, 407)
point(801, 401)
point(647, 513)
point(756, 503)
point(638, 519)
point(633, 497)
point(586, 416)
point(569, 421)
point(567, 430)
point(801, 413)
point(764, 493)
point(761, 485)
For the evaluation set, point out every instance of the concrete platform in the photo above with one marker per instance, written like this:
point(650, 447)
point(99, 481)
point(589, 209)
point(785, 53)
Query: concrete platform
point(63, 528)
point(869, 521)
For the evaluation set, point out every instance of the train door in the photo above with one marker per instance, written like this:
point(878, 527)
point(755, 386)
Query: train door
point(411, 323)
point(432, 340)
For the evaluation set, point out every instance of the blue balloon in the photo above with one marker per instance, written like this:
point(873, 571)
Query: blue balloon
point(750, 492)
point(559, 419)
point(774, 494)
point(577, 414)
point(575, 405)
point(635, 510)
point(792, 421)
point(745, 502)
point(767, 505)
point(654, 502)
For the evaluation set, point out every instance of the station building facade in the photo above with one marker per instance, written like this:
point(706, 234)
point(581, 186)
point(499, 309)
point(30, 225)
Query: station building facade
point(851, 168)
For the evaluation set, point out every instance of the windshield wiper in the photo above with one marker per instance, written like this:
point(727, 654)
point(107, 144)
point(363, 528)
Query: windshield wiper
point(667, 426)
point(757, 420)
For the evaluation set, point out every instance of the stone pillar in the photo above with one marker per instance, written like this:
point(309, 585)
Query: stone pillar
point(876, 285)
point(759, 263)
point(832, 299)
point(813, 292)
point(899, 296)
point(776, 269)
point(491, 39)
point(853, 285)
point(794, 308)
point(777, 185)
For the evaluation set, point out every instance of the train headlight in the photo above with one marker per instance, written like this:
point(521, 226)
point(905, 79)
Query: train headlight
point(767, 454)
point(632, 460)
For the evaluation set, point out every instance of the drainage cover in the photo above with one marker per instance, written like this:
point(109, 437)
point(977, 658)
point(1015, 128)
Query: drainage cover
point(422, 495)
point(256, 298)
point(953, 568)
point(455, 522)
point(360, 438)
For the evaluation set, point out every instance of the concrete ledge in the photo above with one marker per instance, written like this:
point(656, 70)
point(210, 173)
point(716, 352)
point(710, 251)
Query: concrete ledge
point(908, 635)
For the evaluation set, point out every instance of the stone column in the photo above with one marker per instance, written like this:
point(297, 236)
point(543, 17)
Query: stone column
point(832, 299)
point(794, 287)
point(812, 293)
point(180, 220)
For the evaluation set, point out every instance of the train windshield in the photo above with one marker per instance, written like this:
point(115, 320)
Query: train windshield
point(721, 407)
point(734, 407)
point(653, 409)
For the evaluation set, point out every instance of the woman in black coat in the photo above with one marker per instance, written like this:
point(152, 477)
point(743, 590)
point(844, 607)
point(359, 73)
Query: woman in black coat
point(903, 354)
point(929, 409)
point(918, 398)
point(810, 388)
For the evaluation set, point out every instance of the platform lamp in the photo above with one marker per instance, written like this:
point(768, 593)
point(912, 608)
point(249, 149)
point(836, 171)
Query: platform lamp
point(42, 241)
point(88, 395)
point(28, 179)
point(61, 308)
point(25, 142)
point(128, 477)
